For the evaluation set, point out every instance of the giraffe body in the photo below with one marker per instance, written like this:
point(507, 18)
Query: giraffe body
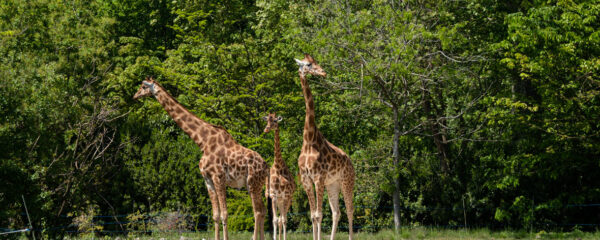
point(281, 185)
point(327, 162)
point(321, 164)
point(224, 162)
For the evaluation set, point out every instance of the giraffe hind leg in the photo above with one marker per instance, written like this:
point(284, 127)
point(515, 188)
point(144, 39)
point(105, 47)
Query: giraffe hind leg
point(255, 189)
point(286, 208)
point(281, 217)
point(348, 192)
point(333, 192)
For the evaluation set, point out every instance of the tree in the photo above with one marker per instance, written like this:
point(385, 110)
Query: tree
point(410, 58)
point(550, 99)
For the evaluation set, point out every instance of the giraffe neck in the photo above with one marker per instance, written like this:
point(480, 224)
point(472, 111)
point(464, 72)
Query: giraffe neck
point(192, 125)
point(278, 159)
point(309, 120)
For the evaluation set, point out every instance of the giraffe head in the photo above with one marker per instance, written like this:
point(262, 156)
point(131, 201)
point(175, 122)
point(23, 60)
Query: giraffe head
point(148, 87)
point(272, 122)
point(309, 65)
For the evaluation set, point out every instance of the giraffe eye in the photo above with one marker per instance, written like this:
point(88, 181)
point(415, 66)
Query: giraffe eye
point(309, 65)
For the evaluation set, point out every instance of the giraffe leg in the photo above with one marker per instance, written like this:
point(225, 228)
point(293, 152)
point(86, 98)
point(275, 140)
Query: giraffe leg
point(280, 218)
point(221, 196)
point(280, 229)
point(283, 213)
point(274, 210)
point(262, 218)
point(348, 192)
point(259, 212)
point(320, 190)
point(214, 201)
point(308, 188)
point(333, 192)
point(254, 185)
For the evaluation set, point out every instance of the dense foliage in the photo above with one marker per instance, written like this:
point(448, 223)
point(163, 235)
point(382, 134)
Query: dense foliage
point(454, 112)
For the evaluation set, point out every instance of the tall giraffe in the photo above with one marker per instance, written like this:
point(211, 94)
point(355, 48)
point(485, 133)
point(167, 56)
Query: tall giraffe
point(321, 163)
point(281, 185)
point(224, 162)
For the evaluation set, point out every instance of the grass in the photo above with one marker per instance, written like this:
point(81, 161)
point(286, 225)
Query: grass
point(407, 233)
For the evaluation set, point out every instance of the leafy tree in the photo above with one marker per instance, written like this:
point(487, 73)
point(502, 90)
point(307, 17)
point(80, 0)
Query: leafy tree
point(551, 58)
point(451, 110)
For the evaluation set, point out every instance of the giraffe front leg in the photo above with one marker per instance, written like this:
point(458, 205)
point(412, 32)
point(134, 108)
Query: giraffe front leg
point(320, 191)
point(280, 228)
point(221, 193)
point(274, 210)
point(284, 220)
point(214, 201)
point(280, 218)
point(310, 192)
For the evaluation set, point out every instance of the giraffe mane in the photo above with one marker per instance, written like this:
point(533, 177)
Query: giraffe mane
point(188, 111)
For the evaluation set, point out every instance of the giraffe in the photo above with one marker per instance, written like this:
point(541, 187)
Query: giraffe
point(281, 184)
point(321, 163)
point(224, 162)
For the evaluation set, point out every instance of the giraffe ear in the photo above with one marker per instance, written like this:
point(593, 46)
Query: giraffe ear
point(300, 63)
point(147, 84)
point(265, 118)
point(279, 119)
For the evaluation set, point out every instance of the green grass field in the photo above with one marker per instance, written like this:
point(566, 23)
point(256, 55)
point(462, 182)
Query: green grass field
point(413, 233)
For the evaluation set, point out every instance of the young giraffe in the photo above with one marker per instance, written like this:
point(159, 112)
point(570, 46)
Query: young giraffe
point(281, 185)
point(321, 163)
point(224, 162)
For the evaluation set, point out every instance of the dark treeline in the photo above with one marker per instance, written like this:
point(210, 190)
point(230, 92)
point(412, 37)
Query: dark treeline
point(485, 112)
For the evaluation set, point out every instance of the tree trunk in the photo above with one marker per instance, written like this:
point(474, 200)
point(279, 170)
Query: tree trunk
point(439, 138)
point(437, 132)
point(396, 158)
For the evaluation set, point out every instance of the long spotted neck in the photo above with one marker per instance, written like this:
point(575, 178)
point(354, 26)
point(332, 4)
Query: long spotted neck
point(309, 120)
point(278, 159)
point(188, 122)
